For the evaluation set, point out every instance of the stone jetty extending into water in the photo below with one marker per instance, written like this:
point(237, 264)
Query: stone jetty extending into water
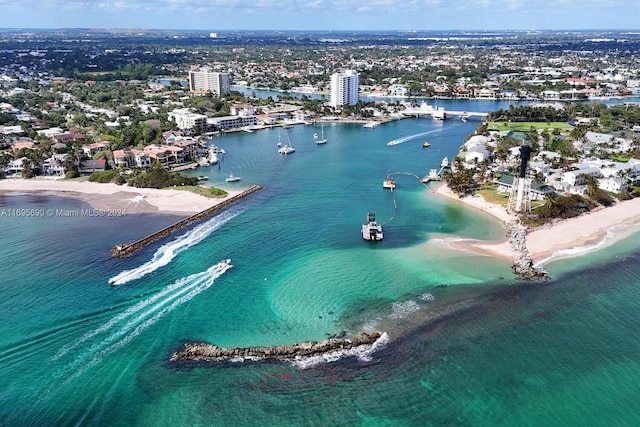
point(523, 265)
point(203, 352)
point(124, 250)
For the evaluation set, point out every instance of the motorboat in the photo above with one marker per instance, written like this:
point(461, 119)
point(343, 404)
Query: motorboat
point(203, 178)
point(389, 183)
point(232, 178)
point(426, 144)
point(372, 230)
point(432, 176)
point(445, 163)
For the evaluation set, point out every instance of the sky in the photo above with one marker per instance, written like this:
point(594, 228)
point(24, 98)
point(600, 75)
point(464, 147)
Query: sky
point(219, 15)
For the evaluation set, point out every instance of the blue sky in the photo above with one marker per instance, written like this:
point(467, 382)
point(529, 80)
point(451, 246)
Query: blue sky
point(212, 15)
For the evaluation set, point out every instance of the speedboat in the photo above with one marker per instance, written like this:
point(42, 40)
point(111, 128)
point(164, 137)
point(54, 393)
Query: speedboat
point(426, 144)
point(372, 230)
point(232, 178)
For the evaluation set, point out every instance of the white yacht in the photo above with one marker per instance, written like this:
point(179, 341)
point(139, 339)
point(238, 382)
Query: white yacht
point(232, 178)
point(389, 183)
point(445, 163)
point(286, 149)
point(372, 230)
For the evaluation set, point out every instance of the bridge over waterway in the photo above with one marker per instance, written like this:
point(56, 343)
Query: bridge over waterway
point(440, 113)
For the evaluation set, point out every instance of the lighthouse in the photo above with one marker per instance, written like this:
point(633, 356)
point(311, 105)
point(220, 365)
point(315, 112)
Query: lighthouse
point(520, 198)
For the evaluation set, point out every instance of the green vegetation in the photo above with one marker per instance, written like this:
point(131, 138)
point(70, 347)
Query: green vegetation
point(527, 126)
point(203, 191)
point(158, 177)
point(558, 207)
point(107, 176)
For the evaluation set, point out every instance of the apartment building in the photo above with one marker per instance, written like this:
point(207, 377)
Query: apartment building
point(205, 80)
point(344, 88)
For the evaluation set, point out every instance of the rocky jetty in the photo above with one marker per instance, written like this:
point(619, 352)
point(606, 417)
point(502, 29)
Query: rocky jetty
point(522, 264)
point(203, 352)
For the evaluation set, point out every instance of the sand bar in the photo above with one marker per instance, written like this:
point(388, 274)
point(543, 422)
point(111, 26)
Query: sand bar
point(584, 230)
point(113, 196)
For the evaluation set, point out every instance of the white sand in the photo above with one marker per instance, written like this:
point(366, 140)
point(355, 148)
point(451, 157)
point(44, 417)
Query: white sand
point(584, 230)
point(112, 196)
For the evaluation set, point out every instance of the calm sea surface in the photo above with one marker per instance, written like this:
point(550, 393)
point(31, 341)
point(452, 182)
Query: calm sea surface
point(76, 351)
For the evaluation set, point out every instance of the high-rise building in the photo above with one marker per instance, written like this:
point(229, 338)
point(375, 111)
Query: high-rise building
point(344, 88)
point(205, 80)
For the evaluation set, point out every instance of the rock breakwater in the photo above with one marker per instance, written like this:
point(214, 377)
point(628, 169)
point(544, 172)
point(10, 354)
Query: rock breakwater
point(203, 352)
point(523, 265)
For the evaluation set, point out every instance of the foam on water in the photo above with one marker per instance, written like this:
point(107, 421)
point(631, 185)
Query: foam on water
point(403, 309)
point(362, 352)
point(579, 250)
point(167, 252)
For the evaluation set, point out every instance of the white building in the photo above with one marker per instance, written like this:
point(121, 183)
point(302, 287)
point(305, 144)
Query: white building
point(344, 88)
point(187, 120)
point(205, 80)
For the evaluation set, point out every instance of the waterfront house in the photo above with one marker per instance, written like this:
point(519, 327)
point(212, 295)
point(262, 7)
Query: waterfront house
point(87, 167)
point(613, 184)
point(538, 191)
point(576, 177)
point(93, 149)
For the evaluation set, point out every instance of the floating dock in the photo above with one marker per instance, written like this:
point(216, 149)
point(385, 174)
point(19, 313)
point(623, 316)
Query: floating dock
point(127, 249)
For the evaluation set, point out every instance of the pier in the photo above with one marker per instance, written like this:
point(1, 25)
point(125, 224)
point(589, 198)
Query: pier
point(127, 249)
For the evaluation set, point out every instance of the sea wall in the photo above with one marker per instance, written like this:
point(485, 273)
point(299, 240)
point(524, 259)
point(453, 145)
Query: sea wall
point(203, 352)
point(124, 250)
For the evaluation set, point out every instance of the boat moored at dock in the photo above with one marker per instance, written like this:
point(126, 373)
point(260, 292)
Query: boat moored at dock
point(372, 230)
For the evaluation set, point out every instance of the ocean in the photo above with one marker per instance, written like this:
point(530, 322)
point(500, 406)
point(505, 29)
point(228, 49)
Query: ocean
point(468, 344)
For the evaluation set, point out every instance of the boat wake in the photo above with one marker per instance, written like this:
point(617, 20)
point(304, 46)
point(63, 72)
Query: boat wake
point(93, 346)
point(169, 251)
point(410, 137)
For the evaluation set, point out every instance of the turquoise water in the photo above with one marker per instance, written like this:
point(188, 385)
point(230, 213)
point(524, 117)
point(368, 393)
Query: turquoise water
point(76, 351)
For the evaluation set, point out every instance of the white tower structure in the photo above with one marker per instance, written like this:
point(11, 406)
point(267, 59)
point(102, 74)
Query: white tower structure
point(344, 88)
point(205, 80)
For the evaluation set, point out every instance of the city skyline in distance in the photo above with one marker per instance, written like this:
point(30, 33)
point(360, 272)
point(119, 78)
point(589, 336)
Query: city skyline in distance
point(326, 15)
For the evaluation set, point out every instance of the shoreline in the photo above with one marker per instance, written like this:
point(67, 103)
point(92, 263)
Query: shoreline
point(128, 200)
point(548, 241)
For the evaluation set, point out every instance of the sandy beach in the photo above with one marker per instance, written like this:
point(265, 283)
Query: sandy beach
point(111, 196)
point(543, 242)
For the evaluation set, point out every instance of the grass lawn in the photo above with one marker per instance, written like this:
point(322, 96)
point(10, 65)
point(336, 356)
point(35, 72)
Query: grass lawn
point(526, 126)
point(491, 195)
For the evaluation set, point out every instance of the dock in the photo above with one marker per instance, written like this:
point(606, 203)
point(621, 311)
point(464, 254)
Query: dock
point(127, 249)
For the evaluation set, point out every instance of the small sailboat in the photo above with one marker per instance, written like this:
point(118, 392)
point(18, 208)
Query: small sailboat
point(321, 139)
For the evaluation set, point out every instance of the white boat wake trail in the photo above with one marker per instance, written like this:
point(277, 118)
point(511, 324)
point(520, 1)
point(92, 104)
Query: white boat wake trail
point(121, 329)
point(169, 251)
